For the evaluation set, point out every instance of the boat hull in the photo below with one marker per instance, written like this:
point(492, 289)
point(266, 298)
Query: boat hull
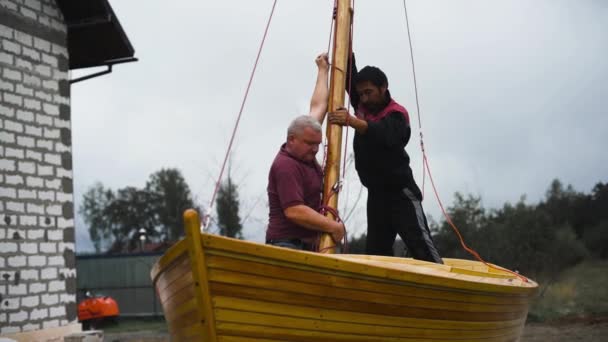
point(214, 288)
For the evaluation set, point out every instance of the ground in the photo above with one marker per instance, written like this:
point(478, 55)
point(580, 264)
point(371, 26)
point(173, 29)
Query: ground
point(590, 330)
point(593, 331)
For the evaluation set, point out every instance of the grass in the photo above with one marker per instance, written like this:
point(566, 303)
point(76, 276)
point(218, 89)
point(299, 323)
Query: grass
point(578, 292)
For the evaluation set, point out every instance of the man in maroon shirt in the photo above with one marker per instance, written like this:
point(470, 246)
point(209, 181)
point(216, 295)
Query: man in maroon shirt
point(295, 179)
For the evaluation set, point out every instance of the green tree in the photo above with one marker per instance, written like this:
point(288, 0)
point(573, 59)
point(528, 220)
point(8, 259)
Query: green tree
point(129, 212)
point(227, 203)
point(115, 218)
point(565, 206)
point(173, 197)
point(527, 238)
point(95, 200)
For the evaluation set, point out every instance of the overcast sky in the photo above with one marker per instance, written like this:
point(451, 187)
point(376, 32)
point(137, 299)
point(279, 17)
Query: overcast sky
point(512, 94)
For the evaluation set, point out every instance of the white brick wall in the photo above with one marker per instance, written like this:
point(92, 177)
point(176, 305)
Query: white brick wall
point(7, 247)
point(30, 275)
point(50, 299)
point(57, 311)
point(37, 287)
point(18, 317)
point(20, 289)
point(39, 314)
point(30, 302)
point(49, 273)
point(33, 96)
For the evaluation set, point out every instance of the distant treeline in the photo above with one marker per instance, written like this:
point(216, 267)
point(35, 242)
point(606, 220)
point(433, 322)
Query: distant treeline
point(537, 240)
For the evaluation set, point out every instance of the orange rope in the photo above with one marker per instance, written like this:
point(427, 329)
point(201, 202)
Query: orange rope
point(428, 169)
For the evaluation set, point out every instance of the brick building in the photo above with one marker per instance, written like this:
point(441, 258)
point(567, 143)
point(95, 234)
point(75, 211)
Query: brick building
point(40, 41)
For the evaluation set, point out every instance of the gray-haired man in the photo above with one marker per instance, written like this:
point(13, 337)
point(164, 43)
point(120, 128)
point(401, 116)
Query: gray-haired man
point(295, 179)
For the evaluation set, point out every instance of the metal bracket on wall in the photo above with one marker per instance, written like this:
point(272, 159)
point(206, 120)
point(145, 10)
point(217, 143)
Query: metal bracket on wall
point(109, 64)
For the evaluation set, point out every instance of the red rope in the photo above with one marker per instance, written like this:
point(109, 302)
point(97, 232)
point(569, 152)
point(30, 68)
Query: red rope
point(323, 210)
point(236, 125)
point(428, 169)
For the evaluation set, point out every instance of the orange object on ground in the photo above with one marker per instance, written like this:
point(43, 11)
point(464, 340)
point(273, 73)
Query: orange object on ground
point(97, 308)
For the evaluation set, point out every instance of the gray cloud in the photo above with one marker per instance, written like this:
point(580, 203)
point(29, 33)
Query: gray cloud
point(512, 94)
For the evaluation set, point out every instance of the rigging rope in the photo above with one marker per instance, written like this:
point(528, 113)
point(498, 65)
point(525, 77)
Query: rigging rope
point(236, 125)
point(409, 38)
point(350, 80)
point(428, 169)
point(331, 31)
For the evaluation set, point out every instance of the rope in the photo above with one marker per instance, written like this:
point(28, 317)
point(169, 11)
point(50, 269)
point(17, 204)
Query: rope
point(350, 82)
point(331, 31)
point(331, 26)
point(428, 168)
point(236, 125)
point(462, 243)
point(409, 37)
point(323, 210)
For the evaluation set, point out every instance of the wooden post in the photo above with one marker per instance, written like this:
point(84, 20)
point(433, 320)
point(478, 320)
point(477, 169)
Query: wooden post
point(336, 100)
point(200, 277)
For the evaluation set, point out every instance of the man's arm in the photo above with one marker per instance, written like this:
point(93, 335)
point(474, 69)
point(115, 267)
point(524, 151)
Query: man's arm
point(305, 216)
point(290, 190)
point(320, 96)
point(392, 130)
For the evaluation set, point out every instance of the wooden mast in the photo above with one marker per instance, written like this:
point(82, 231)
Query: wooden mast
point(341, 50)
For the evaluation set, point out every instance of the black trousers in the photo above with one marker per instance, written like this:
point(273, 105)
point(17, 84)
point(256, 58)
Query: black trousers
point(398, 211)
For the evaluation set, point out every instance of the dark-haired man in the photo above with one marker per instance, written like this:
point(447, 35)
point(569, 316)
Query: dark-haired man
point(382, 130)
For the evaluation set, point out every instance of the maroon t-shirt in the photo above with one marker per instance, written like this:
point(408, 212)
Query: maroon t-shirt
point(291, 182)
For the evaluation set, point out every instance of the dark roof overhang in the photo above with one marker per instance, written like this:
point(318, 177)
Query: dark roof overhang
point(95, 36)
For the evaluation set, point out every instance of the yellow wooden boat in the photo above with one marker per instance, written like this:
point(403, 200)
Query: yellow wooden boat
point(214, 288)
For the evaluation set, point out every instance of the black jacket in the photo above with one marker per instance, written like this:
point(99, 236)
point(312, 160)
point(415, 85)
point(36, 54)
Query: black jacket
point(380, 157)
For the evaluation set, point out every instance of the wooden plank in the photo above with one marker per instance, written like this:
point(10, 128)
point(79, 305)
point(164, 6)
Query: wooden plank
point(199, 273)
point(292, 320)
point(458, 266)
point(183, 321)
point(177, 270)
point(348, 280)
point(169, 257)
point(274, 295)
point(221, 302)
point(175, 312)
point(360, 305)
point(245, 339)
point(296, 335)
point(193, 333)
point(299, 288)
point(177, 287)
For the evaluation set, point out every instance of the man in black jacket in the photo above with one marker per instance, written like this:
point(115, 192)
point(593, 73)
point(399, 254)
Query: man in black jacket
point(382, 130)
